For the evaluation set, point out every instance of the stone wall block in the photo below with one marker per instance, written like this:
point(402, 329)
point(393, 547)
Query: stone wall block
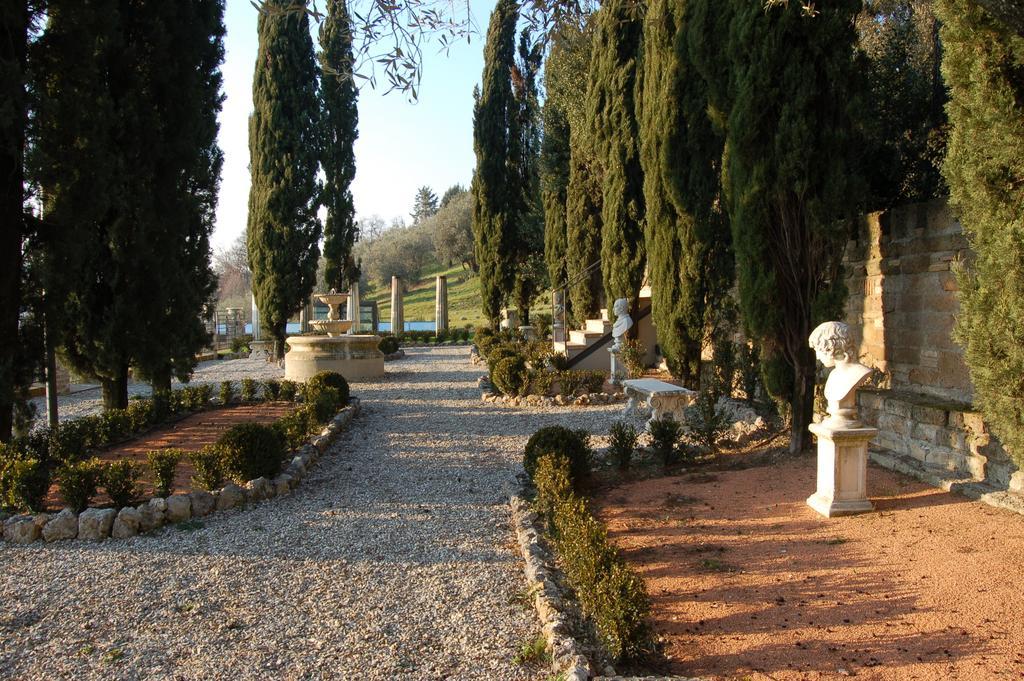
point(975, 422)
point(927, 414)
point(897, 407)
point(895, 424)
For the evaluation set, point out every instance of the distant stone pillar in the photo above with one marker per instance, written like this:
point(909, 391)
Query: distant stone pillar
point(354, 307)
point(256, 334)
point(397, 311)
point(441, 304)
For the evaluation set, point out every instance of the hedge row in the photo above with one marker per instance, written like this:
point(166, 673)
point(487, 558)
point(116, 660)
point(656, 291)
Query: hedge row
point(610, 593)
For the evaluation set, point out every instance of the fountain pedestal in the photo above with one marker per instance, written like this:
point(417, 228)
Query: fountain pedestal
point(354, 356)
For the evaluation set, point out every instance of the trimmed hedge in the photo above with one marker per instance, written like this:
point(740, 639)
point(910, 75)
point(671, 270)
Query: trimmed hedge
point(24, 482)
point(388, 345)
point(252, 450)
point(120, 481)
point(511, 376)
point(572, 444)
point(209, 466)
point(324, 381)
point(163, 462)
point(611, 594)
point(78, 482)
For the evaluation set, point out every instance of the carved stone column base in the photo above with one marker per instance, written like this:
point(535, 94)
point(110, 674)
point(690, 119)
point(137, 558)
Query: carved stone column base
point(842, 470)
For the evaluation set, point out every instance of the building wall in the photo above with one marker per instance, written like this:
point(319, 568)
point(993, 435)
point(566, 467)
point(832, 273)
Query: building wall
point(903, 299)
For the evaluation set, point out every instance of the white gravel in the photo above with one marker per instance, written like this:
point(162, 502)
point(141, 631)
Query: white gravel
point(394, 559)
point(84, 402)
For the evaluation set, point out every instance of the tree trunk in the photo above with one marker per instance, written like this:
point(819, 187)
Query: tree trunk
point(280, 333)
point(162, 383)
point(115, 390)
point(802, 406)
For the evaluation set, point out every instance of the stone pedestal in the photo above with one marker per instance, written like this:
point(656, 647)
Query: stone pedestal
point(842, 469)
point(257, 332)
point(557, 309)
point(441, 303)
point(616, 375)
point(397, 310)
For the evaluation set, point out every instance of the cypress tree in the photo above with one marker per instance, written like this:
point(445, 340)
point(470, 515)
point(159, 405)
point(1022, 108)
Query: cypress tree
point(494, 199)
point(340, 119)
point(611, 103)
point(583, 195)
point(284, 230)
point(985, 172)
point(14, 29)
point(688, 243)
point(792, 180)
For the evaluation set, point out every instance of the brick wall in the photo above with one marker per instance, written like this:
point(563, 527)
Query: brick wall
point(903, 299)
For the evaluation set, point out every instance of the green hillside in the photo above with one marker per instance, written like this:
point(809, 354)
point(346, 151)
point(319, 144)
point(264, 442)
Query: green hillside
point(463, 298)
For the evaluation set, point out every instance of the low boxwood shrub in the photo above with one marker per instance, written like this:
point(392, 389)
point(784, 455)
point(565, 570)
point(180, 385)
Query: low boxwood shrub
point(574, 445)
point(622, 442)
point(72, 440)
point(665, 434)
point(327, 380)
point(77, 482)
point(113, 425)
point(511, 376)
point(248, 393)
point(24, 482)
point(580, 381)
point(252, 450)
point(163, 463)
point(142, 414)
point(227, 392)
point(296, 426)
point(388, 345)
point(209, 467)
point(271, 389)
point(289, 390)
point(610, 593)
point(120, 480)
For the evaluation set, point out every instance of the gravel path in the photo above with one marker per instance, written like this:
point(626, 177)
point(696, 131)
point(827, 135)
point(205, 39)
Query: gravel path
point(394, 559)
point(90, 401)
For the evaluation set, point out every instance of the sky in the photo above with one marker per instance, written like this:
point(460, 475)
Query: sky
point(401, 147)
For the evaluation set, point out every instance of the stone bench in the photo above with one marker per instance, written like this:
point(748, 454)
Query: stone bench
point(662, 398)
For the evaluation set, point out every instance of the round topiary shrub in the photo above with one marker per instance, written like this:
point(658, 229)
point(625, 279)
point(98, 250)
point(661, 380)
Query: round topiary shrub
point(572, 444)
point(511, 376)
point(324, 380)
point(252, 450)
point(388, 345)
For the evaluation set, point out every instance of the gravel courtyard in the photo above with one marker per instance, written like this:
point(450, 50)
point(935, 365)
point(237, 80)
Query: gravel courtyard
point(393, 559)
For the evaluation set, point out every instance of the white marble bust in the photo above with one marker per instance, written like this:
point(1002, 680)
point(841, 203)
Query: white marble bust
point(623, 322)
point(833, 345)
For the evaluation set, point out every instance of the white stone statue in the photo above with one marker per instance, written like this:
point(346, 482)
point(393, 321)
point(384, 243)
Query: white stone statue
point(623, 322)
point(833, 345)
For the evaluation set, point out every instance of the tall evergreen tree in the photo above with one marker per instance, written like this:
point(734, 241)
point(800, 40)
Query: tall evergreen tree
point(612, 103)
point(792, 180)
point(494, 200)
point(340, 121)
point(284, 230)
point(425, 204)
point(583, 194)
point(524, 162)
point(15, 19)
point(688, 241)
point(985, 172)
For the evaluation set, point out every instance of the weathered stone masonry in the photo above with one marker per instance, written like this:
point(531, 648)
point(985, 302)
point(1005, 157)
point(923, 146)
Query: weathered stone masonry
point(902, 306)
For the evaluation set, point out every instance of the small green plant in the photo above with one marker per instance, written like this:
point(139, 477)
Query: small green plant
point(78, 482)
point(622, 442)
point(252, 450)
point(558, 361)
point(289, 389)
point(209, 467)
point(227, 392)
point(113, 655)
point(163, 463)
point(271, 389)
point(240, 344)
point(574, 445)
point(707, 422)
point(24, 482)
point(578, 381)
point(665, 433)
point(120, 480)
point(388, 345)
point(533, 652)
point(511, 376)
point(715, 565)
point(248, 393)
point(632, 353)
point(324, 381)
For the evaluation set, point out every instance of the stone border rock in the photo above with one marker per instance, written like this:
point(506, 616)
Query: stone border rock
point(567, 656)
point(97, 524)
point(585, 400)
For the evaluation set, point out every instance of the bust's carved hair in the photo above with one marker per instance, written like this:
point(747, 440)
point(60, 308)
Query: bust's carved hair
point(832, 339)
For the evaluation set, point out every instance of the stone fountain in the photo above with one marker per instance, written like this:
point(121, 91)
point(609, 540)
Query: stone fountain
point(334, 348)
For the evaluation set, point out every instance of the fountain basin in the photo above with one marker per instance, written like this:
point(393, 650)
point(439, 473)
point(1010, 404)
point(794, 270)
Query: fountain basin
point(331, 327)
point(355, 357)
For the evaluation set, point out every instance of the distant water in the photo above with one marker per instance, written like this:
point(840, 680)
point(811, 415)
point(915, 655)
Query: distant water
point(293, 327)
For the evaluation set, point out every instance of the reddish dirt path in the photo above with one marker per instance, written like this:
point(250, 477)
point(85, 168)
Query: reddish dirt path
point(748, 582)
point(192, 433)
